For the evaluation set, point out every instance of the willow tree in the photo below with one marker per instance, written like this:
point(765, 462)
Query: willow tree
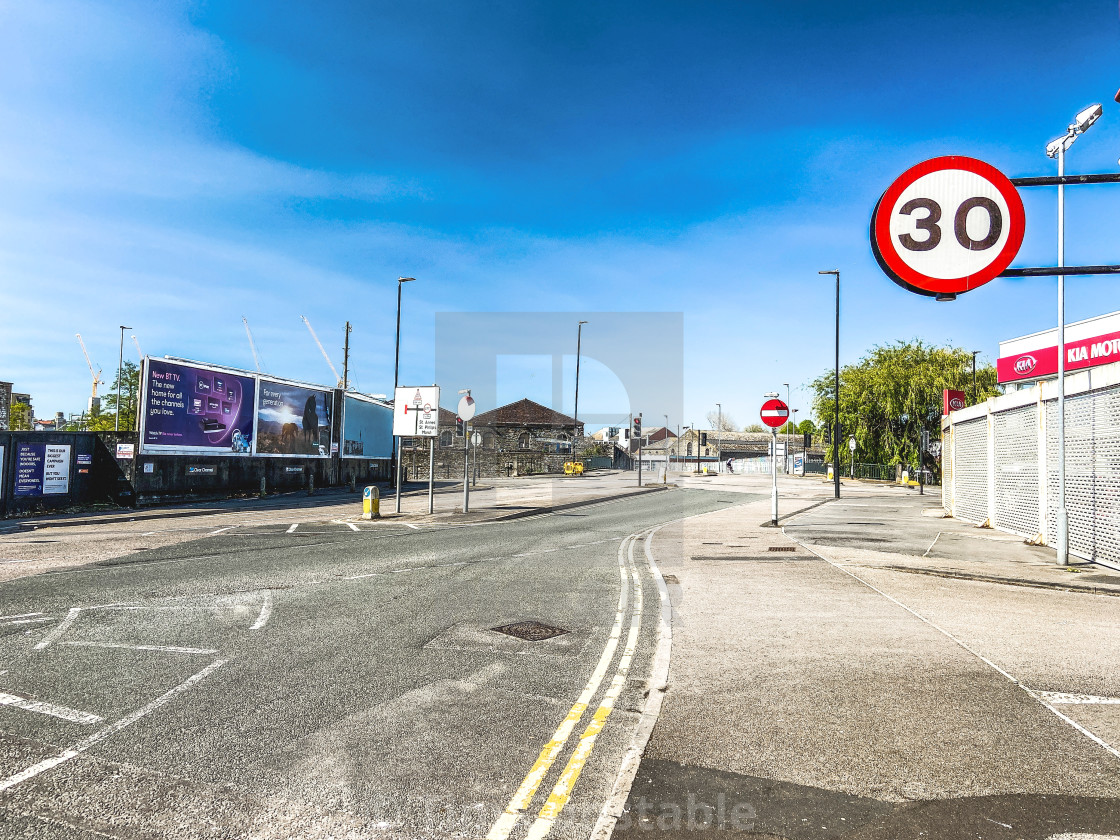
point(892, 394)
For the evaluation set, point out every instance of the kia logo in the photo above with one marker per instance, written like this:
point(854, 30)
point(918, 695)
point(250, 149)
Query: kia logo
point(956, 403)
point(1025, 364)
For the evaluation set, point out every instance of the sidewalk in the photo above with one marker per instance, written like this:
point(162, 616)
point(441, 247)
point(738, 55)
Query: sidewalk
point(805, 701)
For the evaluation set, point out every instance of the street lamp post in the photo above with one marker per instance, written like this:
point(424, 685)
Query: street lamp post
point(836, 431)
point(975, 353)
point(120, 373)
point(719, 437)
point(397, 454)
point(579, 339)
point(786, 459)
point(1057, 148)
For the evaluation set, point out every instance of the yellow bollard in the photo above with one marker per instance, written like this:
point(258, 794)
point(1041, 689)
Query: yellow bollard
point(371, 503)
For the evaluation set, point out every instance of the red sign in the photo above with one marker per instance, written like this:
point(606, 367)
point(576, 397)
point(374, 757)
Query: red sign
point(952, 401)
point(947, 225)
point(1080, 354)
point(774, 413)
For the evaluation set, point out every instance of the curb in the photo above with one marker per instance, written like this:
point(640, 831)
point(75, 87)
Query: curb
point(522, 514)
point(1006, 581)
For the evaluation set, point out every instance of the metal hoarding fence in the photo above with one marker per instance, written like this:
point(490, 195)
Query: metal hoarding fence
point(367, 428)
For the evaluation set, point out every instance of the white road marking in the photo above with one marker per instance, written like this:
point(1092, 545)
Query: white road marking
point(1091, 736)
point(160, 648)
point(63, 626)
point(28, 621)
point(79, 748)
point(148, 534)
point(220, 530)
point(371, 574)
point(292, 528)
point(413, 527)
point(1063, 698)
point(64, 712)
point(266, 611)
point(21, 615)
point(353, 527)
point(932, 544)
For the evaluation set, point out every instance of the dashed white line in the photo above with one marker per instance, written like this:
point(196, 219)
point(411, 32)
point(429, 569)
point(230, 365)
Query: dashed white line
point(292, 528)
point(63, 626)
point(44, 708)
point(79, 748)
point(1064, 698)
point(409, 525)
point(220, 530)
point(28, 621)
point(353, 527)
point(266, 611)
point(160, 648)
point(21, 615)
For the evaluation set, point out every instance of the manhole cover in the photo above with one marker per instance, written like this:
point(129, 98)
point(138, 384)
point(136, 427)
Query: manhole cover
point(781, 548)
point(530, 631)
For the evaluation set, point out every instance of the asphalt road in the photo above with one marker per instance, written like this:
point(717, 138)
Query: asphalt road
point(332, 680)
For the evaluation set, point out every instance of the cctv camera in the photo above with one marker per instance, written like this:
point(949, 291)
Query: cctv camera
point(1087, 117)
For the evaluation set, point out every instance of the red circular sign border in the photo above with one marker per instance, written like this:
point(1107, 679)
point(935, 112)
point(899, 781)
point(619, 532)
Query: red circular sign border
point(915, 281)
point(774, 403)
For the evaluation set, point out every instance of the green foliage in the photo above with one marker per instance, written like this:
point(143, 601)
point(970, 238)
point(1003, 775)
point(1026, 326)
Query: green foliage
point(755, 427)
point(892, 381)
point(20, 419)
point(129, 376)
point(806, 427)
point(599, 448)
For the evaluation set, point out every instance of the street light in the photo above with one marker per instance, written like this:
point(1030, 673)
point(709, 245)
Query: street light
point(120, 364)
point(1057, 149)
point(975, 353)
point(787, 424)
point(396, 381)
point(836, 435)
point(579, 338)
point(719, 437)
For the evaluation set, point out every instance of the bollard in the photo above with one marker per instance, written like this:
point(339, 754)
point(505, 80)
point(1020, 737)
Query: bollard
point(263, 492)
point(311, 484)
point(371, 503)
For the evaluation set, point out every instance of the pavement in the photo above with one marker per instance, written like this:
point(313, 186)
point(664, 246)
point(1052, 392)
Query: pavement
point(869, 669)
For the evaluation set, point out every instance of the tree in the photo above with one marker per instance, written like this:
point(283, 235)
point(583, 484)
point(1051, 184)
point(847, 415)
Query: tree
point(755, 427)
point(892, 394)
point(806, 427)
point(20, 419)
point(724, 423)
point(129, 377)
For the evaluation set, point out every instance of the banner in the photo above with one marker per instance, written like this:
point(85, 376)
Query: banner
point(293, 420)
point(42, 469)
point(367, 429)
point(196, 410)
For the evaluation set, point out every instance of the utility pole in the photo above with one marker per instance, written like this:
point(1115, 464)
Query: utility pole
point(346, 358)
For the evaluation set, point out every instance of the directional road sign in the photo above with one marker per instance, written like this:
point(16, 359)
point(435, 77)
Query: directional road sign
point(416, 411)
point(947, 225)
point(774, 413)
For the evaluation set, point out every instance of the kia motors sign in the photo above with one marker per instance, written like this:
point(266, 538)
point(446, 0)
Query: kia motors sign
point(774, 413)
point(952, 400)
point(947, 226)
point(1042, 363)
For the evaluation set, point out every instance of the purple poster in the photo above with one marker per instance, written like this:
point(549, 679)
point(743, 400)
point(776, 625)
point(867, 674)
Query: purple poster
point(189, 409)
point(293, 420)
point(29, 469)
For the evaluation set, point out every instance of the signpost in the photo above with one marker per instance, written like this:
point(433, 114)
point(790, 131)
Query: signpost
point(947, 225)
point(852, 448)
point(774, 413)
point(467, 408)
point(416, 414)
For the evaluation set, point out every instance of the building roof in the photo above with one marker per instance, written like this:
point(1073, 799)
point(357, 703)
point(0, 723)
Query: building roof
point(524, 413)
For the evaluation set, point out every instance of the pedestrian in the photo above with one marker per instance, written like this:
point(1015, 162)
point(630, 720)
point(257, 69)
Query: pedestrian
point(730, 466)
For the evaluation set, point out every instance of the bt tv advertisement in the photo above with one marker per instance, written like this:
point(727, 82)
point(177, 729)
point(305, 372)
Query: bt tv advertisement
point(293, 420)
point(191, 409)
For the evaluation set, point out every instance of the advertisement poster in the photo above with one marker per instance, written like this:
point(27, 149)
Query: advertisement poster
point(1, 472)
point(195, 410)
point(42, 469)
point(293, 420)
point(367, 429)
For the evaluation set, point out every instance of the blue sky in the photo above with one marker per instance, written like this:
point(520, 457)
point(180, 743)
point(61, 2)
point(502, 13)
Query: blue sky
point(174, 166)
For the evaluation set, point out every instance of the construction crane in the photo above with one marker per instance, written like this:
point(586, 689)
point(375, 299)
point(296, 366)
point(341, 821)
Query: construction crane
point(139, 352)
point(94, 402)
point(330, 364)
point(252, 346)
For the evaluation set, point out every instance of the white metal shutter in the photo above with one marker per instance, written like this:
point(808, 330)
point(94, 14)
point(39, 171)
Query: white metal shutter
point(1016, 465)
point(1092, 473)
point(971, 470)
point(947, 468)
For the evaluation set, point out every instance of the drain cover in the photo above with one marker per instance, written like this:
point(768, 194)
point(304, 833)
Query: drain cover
point(530, 631)
point(781, 548)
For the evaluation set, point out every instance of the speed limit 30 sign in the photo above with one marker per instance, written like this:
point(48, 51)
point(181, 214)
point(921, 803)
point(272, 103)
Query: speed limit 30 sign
point(947, 225)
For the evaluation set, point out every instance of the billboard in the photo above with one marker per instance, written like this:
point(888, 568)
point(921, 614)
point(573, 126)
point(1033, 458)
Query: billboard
point(42, 469)
point(367, 429)
point(194, 409)
point(293, 420)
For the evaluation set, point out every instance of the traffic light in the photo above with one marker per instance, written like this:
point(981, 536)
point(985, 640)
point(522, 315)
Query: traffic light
point(703, 438)
point(637, 427)
point(808, 442)
point(458, 427)
point(828, 435)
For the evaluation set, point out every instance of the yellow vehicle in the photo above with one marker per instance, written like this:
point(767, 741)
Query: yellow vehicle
point(573, 468)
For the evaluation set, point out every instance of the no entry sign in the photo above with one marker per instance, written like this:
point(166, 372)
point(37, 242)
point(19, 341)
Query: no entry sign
point(947, 225)
point(774, 413)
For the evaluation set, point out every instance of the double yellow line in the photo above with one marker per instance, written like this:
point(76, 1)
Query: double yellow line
point(562, 790)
